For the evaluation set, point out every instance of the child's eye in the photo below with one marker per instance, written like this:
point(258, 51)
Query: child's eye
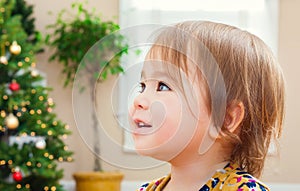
point(163, 87)
point(142, 87)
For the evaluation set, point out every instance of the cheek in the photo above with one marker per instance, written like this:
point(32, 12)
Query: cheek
point(173, 136)
point(161, 144)
point(159, 113)
point(168, 128)
point(166, 116)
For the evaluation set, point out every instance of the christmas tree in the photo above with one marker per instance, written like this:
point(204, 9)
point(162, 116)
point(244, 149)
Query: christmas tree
point(31, 136)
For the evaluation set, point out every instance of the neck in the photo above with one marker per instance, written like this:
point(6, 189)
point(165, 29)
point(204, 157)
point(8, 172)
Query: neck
point(192, 172)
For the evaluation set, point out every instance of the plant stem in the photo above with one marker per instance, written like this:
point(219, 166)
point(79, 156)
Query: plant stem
point(97, 162)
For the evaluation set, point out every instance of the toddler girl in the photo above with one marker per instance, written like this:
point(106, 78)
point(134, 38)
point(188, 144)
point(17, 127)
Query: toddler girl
point(211, 100)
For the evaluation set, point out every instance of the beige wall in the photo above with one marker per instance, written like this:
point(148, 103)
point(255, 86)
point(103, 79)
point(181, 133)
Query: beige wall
point(286, 168)
point(283, 169)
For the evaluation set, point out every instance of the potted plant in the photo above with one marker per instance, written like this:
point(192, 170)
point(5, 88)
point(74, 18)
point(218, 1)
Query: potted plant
point(71, 39)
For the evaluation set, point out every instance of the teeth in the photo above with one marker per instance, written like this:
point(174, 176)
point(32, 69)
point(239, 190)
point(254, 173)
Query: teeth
point(142, 124)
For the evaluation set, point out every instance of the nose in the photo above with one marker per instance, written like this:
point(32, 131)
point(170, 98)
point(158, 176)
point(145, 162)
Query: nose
point(141, 102)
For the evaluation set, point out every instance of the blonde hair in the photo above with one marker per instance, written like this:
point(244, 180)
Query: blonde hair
point(251, 75)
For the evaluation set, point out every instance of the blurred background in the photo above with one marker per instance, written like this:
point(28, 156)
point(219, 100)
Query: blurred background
point(275, 21)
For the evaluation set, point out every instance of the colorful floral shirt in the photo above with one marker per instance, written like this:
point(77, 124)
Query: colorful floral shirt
point(231, 178)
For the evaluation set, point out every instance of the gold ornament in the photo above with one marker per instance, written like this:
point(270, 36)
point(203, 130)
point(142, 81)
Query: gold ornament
point(11, 121)
point(3, 60)
point(15, 48)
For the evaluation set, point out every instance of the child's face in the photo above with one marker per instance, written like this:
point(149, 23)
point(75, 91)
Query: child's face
point(164, 120)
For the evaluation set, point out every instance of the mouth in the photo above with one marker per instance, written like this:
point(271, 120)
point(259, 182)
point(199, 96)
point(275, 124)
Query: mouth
point(141, 124)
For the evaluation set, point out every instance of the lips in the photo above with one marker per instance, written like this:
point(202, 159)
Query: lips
point(142, 124)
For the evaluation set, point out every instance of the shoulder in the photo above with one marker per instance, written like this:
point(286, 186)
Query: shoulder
point(242, 181)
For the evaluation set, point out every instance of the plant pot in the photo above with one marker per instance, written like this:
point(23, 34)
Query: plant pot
point(98, 181)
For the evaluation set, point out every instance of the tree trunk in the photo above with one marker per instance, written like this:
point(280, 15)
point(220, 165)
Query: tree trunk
point(97, 162)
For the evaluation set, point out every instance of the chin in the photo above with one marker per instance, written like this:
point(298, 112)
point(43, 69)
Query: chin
point(144, 151)
point(158, 153)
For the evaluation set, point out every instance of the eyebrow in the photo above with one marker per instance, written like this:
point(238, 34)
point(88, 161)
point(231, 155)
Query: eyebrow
point(156, 73)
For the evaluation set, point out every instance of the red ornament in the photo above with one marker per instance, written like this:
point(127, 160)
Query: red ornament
point(17, 176)
point(14, 86)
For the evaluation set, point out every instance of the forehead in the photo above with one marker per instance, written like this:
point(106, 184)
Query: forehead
point(161, 60)
point(159, 68)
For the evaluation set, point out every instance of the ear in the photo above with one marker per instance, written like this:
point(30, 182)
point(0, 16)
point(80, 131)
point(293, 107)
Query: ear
point(235, 112)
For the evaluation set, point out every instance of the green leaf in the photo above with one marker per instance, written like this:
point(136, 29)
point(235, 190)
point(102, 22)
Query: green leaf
point(73, 37)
